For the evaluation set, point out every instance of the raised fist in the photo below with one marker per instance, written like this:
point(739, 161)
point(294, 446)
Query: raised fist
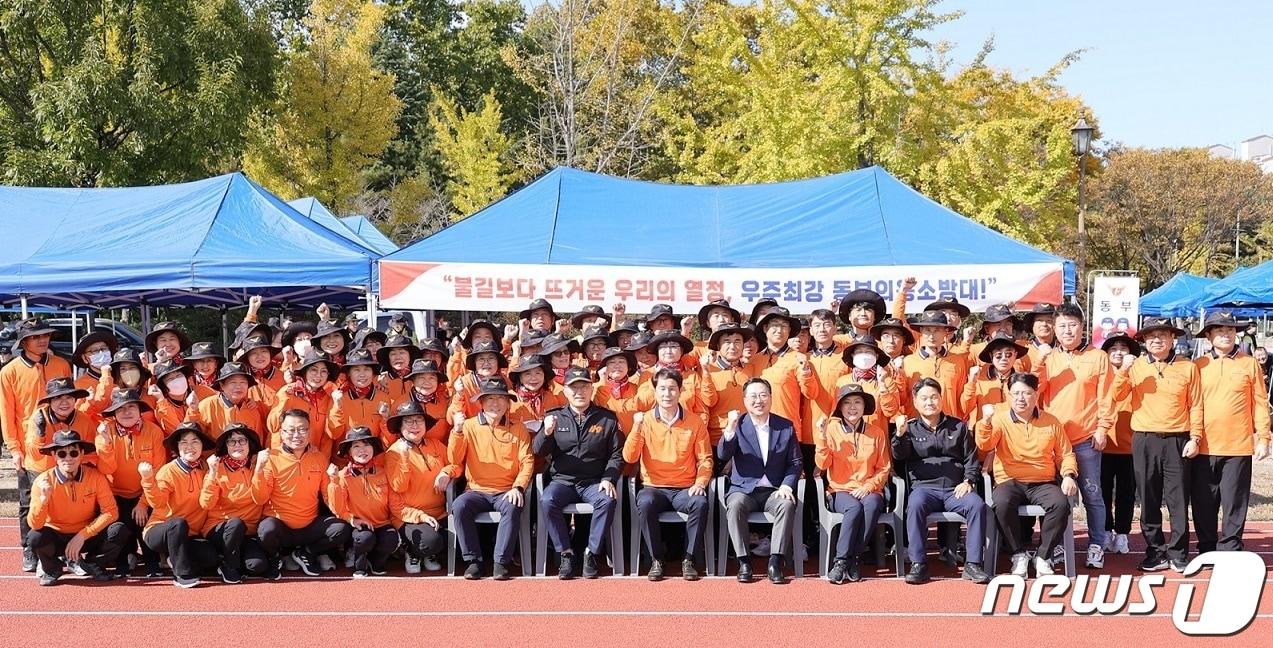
point(145, 470)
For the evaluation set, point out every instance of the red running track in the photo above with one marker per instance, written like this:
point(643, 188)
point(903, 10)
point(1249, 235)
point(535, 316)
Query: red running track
point(397, 610)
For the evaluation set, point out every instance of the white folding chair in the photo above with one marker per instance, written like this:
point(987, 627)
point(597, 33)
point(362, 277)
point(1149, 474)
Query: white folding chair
point(756, 517)
point(828, 520)
point(637, 540)
point(1030, 510)
point(523, 534)
point(582, 508)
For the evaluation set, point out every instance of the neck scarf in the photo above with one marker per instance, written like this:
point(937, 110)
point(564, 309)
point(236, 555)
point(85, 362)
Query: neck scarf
point(616, 386)
point(301, 390)
point(127, 431)
point(235, 464)
point(422, 398)
point(206, 381)
point(261, 374)
point(533, 399)
point(862, 375)
point(559, 375)
point(362, 393)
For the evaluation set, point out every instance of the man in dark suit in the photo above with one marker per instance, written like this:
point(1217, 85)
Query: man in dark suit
point(766, 459)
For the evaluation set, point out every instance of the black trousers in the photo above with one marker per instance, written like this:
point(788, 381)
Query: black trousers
point(237, 549)
point(809, 526)
point(25, 477)
point(1220, 486)
point(319, 536)
point(126, 506)
point(377, 544)
point(1118, 486)
point(1162, 477)
point(188, 555)
point(423, 541)
point(102, 549)
point(1056, 506)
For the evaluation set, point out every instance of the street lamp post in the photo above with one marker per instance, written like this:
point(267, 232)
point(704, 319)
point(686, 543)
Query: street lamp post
point(1081, 133)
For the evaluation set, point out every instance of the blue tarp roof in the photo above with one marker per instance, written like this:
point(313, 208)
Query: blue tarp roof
point(1246, 291)
point(1181, 287)
point(319, 213)
point(211, 242)
point(865, 217)
point(368, 232)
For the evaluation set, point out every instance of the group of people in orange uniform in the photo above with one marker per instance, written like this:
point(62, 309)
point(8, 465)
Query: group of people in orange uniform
point(325, 442)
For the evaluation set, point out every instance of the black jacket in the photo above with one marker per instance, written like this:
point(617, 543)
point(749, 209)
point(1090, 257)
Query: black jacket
point(938, 458)
point(582, 454)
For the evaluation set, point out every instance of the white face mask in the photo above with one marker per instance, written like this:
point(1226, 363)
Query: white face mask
point(864, 360)
point(301, 347)
point(100, 359)
point(178, 385)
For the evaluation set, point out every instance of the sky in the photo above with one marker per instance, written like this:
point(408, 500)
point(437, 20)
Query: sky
point(1155, 74)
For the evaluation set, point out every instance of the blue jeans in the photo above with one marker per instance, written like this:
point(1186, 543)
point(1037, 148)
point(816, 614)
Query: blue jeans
point(1089, 460)
point(927, 499)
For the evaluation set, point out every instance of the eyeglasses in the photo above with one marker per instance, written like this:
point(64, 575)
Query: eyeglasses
point(63, 454)
point(237, 441)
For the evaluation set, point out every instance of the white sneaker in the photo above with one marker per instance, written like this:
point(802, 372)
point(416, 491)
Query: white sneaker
point(1058, 556)
point(289, 563)
point(432, 564)
point(762, 547)
point(349, 557)
point(326, 563)
point(1042, 567)
point(1095, 557)
point(411, 564)
point(1120, 544)
point(1110, 540)
point(1021, 564)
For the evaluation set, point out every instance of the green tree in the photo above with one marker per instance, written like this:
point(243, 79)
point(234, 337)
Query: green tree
point(1160, 212)
point(336, 112)
point(124, 93)
point(474, 151)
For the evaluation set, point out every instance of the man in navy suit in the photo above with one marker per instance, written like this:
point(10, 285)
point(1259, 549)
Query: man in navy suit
point(766, 458)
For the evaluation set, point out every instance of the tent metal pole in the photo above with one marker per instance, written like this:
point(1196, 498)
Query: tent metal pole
point(372, 308)
point(24, 306)
point(145, 319)
point(75, 329)
point(225, 335)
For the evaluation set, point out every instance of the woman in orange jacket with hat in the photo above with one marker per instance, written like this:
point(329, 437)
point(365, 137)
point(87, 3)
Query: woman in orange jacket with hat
point(853, 450)
point(361, 403)
point(168, 337)
point(415, 464)
point(395, 359)
point(125, 441)
point(176, 515)
point(232, 512)
point(233, 405)
point(73, 517)
point(484, 362)
point(258, 355)
point(428, 391)
point(93, 354)
point(360, 494)
point(173, 392)
point(22, 383)
point(309, 392)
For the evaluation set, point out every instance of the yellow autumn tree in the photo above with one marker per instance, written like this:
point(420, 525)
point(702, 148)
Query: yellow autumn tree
point(335, 113)
point(475, 153)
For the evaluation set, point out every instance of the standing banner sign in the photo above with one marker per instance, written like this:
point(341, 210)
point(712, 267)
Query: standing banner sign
point(509, 287)
point(1115, 306)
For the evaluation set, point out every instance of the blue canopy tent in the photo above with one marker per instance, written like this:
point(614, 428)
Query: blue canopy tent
point(1246, 289)
point(822, 236)
point(370, 233)
point(319, 213)
point(213, 242)
point(1181, 288)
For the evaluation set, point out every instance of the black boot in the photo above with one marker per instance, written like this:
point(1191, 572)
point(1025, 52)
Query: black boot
point(744, 569)
point(918, 574)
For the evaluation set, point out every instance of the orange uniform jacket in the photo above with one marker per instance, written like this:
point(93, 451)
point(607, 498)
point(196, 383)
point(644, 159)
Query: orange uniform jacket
point(494, 457)
point(169, 413)
point(553, 398)
point(1030, 452)
point(284, 400)
point(1235, 405)
point(854, 459)
point(950, 369)
point(22, 385)
point(214, 414)
point(1164, 396)
point(623, 405)
point(728, 382)
point(790, 384)
point(173, 492)
point(228, 495)
point(987, 389)
point(40, 429)
point(118, 457)
point(78, 505)
point(827, 369)
point(366, 496)
point(266, 388)
point(412, 470)
point(888, 403)
point(675, 455)
point(91, 383)
point(1120, 442)
point(1073, 386)
point(354, 412)
point(289, 487)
